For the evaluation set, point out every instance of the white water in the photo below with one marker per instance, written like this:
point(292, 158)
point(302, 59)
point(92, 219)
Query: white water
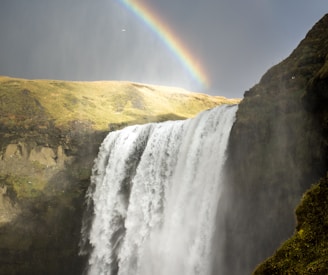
point(154, 191)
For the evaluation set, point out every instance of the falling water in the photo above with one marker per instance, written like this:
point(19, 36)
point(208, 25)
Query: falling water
point(154, 194)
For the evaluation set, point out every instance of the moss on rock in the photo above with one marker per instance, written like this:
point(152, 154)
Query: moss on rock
point(306, 252)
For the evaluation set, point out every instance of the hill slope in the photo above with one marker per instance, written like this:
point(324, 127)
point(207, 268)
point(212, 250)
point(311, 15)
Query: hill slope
point(99, 103)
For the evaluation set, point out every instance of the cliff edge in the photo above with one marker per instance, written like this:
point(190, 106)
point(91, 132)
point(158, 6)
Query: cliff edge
point(50, 132)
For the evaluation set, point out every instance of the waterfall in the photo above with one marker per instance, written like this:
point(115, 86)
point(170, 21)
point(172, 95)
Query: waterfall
point(153, 196)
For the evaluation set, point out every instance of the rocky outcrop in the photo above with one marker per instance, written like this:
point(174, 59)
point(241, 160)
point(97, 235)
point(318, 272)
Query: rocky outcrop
point(8, 210)
point(41, 201)
point(278, 149)
point(43, 155)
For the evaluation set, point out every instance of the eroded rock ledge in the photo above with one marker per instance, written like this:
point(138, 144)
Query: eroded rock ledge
point(42, 186)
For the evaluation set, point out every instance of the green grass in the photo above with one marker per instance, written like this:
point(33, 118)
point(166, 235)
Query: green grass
point(99, 103)
point(20, 186)
point(306, 252)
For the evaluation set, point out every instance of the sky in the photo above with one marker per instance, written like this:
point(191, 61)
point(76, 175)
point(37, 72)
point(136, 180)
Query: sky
point(234, 41)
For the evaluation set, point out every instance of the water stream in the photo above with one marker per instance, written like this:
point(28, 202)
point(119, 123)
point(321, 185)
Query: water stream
point(154, 194)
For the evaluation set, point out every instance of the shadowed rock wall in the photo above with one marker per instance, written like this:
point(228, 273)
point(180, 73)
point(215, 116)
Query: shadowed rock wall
point(278, 148)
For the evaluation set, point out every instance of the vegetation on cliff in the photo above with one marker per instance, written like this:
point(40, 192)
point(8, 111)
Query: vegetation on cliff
point(306, 252)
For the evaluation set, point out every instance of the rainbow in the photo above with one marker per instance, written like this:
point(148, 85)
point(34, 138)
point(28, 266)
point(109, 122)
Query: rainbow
point(169, 39)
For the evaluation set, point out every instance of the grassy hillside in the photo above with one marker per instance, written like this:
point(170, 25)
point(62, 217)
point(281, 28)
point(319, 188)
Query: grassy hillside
point(99, 103)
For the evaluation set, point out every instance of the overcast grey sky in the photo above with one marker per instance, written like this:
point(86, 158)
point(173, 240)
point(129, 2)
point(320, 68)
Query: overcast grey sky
point(236, 41)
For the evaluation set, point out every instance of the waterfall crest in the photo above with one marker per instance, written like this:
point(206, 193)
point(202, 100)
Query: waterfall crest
point(154, 193)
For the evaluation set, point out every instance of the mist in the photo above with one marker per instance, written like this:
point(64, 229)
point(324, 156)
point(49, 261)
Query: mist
point(77, 43)
point(235, 42)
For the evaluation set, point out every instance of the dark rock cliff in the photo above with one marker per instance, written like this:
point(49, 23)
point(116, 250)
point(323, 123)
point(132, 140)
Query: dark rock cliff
point(278, 149)
point(43, 178)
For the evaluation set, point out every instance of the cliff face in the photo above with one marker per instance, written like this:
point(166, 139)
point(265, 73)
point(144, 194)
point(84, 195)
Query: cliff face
point(50, 132)
point(43, 182)
point(306, 251)
point(278, 148)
